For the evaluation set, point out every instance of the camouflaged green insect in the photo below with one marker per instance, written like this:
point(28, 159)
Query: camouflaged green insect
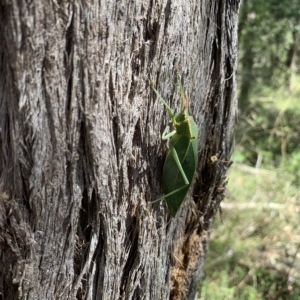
point(182, 156)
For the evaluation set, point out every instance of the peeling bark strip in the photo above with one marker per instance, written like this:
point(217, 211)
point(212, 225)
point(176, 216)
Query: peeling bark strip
point(80, 149)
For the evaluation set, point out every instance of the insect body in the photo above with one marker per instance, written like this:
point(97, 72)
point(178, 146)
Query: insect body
point(182, 157)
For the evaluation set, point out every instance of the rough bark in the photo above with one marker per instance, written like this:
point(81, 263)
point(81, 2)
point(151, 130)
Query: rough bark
point(80, 149)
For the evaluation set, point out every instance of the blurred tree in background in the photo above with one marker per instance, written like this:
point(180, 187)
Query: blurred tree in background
point(269, 84)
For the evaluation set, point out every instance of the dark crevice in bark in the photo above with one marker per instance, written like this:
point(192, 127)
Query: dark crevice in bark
point(6, 155)
point(49, 109)
point(9, 173)
point(131, 245)
point(81, 240)
point(25, 167)
point(99, 259)
point(115, 122)
point(87, 213)
point(227, 91)
point(167, 17)
point(152, 32)
point(115, 125)
point(68, 61)
point(133, 168)
point(26, 192)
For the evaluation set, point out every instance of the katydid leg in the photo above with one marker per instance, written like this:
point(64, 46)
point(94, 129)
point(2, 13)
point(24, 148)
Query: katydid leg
point(170, 112)
point(176, 158)
point(177, 161)
point(166, 196)
point(165, 135)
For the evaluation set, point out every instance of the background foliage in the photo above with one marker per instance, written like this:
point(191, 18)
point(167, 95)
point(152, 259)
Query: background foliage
point(254, 253)
point(269, 82)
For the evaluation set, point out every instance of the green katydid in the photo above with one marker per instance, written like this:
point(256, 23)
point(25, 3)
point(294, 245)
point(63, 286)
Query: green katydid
point(182, 156)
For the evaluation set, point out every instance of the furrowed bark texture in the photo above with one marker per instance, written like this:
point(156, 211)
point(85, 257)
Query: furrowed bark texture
point(81, 154)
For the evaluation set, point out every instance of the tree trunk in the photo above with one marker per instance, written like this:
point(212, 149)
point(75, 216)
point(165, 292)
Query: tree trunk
point(81, 151)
